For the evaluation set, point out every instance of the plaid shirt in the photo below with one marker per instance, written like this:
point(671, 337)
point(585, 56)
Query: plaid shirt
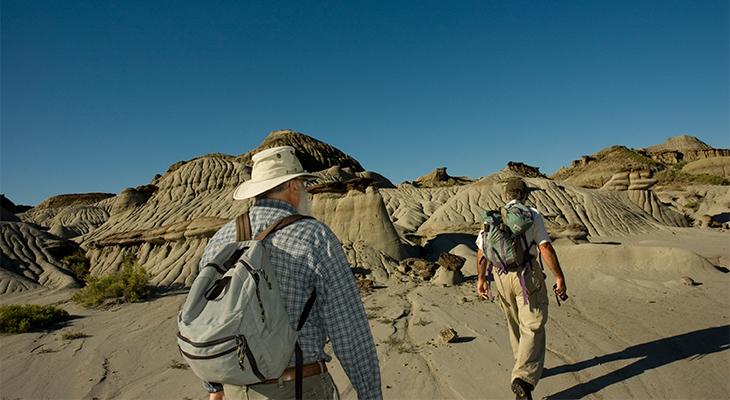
point(307, 255)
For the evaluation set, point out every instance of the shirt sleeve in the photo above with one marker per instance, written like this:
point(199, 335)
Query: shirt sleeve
point(345, 322)
point(480, 240)
point(540, 234)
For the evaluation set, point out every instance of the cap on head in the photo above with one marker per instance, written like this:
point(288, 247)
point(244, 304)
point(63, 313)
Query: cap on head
point(271, 167)
point(515, 188)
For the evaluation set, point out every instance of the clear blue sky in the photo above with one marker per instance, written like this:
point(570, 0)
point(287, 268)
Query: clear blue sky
point(102, 95)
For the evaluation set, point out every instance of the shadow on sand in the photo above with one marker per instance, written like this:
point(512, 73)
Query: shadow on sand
point(695, 344)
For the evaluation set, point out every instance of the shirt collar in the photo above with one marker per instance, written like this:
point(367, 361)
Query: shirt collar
point(275, 203)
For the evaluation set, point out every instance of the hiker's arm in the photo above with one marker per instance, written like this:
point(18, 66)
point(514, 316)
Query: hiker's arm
point(344, 319)
point(551, 259)
point(482, 285)
point(216, 396)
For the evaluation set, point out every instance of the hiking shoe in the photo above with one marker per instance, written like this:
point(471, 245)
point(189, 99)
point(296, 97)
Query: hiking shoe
point(522, 389)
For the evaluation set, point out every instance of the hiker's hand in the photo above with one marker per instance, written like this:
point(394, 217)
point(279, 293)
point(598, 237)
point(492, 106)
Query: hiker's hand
point(216, 396)
point(483, 288)
point(560, 288)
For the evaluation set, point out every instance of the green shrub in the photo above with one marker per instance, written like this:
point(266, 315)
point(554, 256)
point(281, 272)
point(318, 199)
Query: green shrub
point(79, 265)
point(19, 318)
point(693, 205)
point(131, 284)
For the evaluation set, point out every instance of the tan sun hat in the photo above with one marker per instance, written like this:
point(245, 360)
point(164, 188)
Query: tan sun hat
point(271, 167)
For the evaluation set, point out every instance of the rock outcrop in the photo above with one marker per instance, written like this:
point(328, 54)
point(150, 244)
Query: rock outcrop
point(598, 169)
point(30, 258)
point(717, 166)
point(313, 154)
point(439, 178)
point(524, 170)
point(65, 200)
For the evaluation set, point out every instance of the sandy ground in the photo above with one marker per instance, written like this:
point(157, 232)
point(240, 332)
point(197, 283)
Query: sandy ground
point(631, 329)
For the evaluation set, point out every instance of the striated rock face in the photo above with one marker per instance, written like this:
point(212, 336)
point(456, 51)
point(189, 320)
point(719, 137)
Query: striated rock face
point(30, 258)
point(409, 207)
point(439, 178)
point(169, 230)
point(70, 221)
point(633, 180)
point(603, 213)
point(312, 153)
point(166, 225)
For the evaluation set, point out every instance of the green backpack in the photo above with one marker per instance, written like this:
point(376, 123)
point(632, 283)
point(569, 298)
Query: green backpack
point(505, 245)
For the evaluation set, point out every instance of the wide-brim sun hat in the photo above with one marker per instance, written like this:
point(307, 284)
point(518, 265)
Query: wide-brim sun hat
point(271, 167)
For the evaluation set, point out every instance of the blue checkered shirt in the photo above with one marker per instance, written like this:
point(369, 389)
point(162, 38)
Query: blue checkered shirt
point(307, 255)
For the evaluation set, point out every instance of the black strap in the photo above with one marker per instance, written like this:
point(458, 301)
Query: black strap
point(299, 357)
point(299, 371)
point(307, 308)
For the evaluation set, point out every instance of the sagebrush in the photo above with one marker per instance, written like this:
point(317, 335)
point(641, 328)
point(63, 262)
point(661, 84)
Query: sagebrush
point(129, 285)
point(78, 265)
point(19, 318)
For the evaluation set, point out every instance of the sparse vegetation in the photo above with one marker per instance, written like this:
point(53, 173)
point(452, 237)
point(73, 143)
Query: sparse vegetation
point(129, 285)
point(692, 205)
point(178, 365)
point(79, 266)
point(671, 176)
point(71, 335)
point(19, 318)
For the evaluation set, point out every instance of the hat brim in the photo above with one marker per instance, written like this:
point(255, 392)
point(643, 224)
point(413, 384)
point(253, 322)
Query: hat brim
point(250, 188)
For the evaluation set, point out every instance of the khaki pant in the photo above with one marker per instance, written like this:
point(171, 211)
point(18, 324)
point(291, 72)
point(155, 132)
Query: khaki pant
point(525, 322)
point(313, 388)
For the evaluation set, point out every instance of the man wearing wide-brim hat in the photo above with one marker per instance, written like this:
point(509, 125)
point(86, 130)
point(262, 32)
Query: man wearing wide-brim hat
point(307, 256)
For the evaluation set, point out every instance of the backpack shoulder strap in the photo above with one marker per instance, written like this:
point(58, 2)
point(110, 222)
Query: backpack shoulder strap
point(243, 227)
point(282, 223)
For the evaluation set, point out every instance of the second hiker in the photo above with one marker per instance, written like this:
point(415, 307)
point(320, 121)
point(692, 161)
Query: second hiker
point(507, 254)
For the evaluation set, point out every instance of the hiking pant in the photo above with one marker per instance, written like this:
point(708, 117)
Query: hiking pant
point(525, 322)
point(313, 388)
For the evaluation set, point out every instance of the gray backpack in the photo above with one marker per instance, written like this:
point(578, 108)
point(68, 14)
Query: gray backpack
point(233, 327)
